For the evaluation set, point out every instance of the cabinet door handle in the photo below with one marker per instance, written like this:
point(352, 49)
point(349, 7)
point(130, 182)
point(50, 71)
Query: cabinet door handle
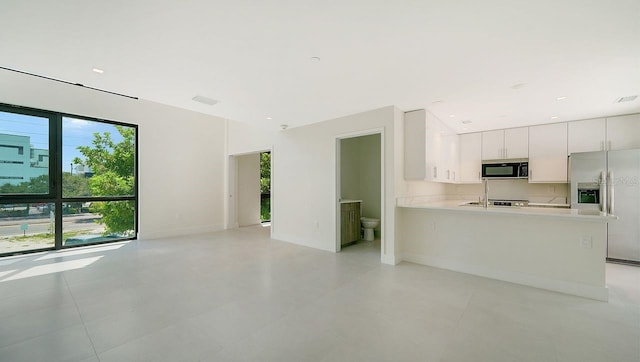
point(435, 172)
point(601, 145)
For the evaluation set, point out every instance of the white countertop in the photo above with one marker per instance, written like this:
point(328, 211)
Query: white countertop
point(459, 206)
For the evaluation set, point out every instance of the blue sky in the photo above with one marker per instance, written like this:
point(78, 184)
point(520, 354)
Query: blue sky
point(75, 132)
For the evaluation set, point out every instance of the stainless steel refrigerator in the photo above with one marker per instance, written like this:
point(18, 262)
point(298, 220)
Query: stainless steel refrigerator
point(610, 181)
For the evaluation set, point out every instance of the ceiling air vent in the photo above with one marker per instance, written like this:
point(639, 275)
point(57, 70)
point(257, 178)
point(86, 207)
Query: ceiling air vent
point(205, 100)
point(626, 99)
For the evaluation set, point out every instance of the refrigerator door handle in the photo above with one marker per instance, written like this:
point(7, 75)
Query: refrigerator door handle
point(603, 192)
point(610, 193)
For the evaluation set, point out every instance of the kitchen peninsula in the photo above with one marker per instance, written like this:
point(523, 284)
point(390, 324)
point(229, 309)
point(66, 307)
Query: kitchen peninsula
point(557, 249)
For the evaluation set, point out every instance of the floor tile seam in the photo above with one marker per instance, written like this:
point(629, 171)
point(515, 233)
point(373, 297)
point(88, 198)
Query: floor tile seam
point(110, 289)
point(464, 311)
point(84, 325)
point(146, 333)
point(252, 333)
point(67, 303)
point(266, 325)
point(40, 289)
point(40, 335)
point(141, 336)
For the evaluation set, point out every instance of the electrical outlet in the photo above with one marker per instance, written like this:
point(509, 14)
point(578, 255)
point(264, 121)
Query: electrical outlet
point(586, 242)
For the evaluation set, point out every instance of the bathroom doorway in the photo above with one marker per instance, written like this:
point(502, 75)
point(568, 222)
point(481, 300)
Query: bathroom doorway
point(360, 191)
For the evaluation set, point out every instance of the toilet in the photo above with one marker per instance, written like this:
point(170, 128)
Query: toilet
point(369, 224)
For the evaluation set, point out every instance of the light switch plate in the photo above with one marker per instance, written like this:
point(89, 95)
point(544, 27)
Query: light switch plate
point(586, 242)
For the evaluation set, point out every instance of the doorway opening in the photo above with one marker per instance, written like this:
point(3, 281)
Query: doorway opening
point(265, 187)
point(360, 192)
point(250, 190)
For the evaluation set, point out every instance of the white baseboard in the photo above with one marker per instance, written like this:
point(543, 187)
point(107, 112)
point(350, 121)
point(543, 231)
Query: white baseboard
point(562, 286)
point(299, 241)
point(191, 230)
point(391, 259)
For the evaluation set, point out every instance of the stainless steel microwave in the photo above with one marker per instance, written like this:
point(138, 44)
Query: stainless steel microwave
point(502, 170)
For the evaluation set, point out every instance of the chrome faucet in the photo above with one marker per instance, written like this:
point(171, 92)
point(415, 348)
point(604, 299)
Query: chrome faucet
point(485, 203)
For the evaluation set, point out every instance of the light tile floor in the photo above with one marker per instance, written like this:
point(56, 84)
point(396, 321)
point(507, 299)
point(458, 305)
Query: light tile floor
point(239, 296)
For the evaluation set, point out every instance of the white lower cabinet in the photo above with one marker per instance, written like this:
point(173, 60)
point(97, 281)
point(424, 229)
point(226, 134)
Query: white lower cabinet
point(548, 153)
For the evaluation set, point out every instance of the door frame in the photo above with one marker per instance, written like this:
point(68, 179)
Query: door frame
point(383, 216)
point(231, 201)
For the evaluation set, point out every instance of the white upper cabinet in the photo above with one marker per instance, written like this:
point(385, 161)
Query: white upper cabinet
point(586, 136)
point(548, 153)
point(493, 145)
point(516, 142)
point(470, 158)
point(415, 145)
point(431, 148)
point(623, 132)
point(451, 158)
point(505, 143)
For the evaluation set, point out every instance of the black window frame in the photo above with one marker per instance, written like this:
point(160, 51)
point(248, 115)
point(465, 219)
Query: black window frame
point(56, 168)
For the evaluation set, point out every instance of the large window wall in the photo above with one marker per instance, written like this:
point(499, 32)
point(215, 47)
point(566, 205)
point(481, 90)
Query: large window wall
point(65, 180)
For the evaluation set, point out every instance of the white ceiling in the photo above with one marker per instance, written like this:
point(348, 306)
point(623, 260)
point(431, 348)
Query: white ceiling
point(459, 59)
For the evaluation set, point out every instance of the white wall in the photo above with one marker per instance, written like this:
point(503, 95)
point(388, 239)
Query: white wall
point(181, 153)
point(248, 189)
point(304, 200)
point(304, 175)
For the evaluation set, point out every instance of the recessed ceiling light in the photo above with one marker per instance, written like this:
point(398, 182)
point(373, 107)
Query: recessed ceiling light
point(284, 126)
point(269, 118)
point(97, 70)
point(518, 86)
point(452, 115)
point(626, 99)
point(205, 100)
point(438, 101)
point(315, 59)
point(466, 121)
point(561, 98)
point(554, 117)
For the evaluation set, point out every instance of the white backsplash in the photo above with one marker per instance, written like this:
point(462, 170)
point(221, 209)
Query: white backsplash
point(513, 190)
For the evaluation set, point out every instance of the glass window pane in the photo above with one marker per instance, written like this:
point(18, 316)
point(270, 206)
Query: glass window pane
point(92, 222)
point(26, 227)
point(24, 154)
point(98, 159)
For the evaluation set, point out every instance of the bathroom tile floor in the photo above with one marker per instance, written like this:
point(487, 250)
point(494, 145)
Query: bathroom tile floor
point(238, 295)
